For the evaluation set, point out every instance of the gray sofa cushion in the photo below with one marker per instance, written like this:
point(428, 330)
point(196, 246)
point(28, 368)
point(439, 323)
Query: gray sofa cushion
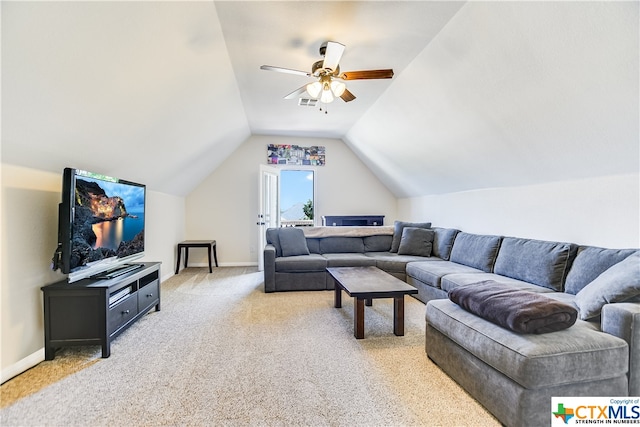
point(590, 262)
point(452, 281)
point(301, 263)
point(619, 283)
point(392, 262)
point(335, 245)
point(443, 242)
point(397, 231)
point(475, 250)
point(431, 272)
point(535, 261)
point(380, 243)
point(349, 260)
point(293, 242)
point(416, 241)
point(533, 361)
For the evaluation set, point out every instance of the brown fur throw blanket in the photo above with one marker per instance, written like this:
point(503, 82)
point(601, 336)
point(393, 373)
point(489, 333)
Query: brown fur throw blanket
point(516, 309)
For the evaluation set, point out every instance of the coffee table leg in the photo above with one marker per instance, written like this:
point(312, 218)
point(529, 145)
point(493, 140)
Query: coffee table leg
point(398, 315)
point(358, 318)
point(337, 299)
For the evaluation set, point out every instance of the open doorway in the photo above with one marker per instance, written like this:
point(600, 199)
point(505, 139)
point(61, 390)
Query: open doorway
point(297, 204)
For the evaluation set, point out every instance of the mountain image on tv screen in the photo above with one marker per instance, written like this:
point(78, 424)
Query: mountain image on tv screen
point(108, 221)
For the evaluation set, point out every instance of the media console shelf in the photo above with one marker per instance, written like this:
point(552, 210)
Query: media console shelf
point(94, 311)
point(352, 220)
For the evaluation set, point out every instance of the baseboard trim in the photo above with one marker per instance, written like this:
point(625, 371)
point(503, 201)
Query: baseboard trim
point(223, 264)
point(21, 366)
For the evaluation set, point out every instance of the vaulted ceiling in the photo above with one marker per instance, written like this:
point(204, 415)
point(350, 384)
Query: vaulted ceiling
point(485, 94)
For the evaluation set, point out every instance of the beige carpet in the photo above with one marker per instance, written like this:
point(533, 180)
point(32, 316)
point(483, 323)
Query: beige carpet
point(222, 352)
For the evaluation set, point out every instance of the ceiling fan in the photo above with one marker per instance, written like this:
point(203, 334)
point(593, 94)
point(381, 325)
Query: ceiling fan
point(328, 85)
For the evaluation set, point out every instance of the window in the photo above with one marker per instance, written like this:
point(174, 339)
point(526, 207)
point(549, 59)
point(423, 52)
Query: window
point(296, 198)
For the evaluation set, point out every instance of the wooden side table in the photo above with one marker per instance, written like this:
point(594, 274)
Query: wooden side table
point(209, 244)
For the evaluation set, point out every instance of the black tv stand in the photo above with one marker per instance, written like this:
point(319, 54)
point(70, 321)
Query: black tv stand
point(118, 271)
point(95, 312)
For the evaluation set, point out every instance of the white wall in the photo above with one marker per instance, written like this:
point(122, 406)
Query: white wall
point(601, 211)
point(165, 219)
point(224, 206)
point(29, 237)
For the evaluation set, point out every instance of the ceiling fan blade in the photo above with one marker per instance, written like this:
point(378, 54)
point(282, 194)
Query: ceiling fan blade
point(332, 55)
point(367, 74)
point(347, 96)
point(296, 92)
point(285, 70)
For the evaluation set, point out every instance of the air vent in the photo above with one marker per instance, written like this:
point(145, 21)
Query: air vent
point(307, 102)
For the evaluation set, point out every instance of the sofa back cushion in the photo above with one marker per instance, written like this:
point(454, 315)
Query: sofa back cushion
point(313, 244)
point(590, 262)
point(336, 245)
point(273, 238)
point(535, 261)
point(380, 243)
point(475, 250)
point(443, 242)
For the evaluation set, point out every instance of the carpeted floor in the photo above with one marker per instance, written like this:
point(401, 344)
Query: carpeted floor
point(222, 352)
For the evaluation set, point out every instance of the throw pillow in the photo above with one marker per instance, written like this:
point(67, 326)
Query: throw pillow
point(618, 283)
point(397, 231)
point(293, 242)
point(416, 241)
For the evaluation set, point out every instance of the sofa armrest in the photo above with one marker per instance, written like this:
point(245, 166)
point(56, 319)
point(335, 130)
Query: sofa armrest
point(269, 268)
point(623, 320)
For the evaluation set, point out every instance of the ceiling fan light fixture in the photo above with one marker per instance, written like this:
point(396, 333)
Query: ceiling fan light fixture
point(337, 88)
point(327, 95)
point(314, 89)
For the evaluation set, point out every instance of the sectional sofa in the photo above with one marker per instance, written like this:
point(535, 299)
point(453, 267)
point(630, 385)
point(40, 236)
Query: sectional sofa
point(513, 374)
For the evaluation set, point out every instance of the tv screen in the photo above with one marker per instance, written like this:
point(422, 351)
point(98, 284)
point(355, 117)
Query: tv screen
point(101, 223)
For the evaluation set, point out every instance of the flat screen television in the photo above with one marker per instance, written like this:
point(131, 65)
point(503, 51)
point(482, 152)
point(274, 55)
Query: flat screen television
point(100, 224)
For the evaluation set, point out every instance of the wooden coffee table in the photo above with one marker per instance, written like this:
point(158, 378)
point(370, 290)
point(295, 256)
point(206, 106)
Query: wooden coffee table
point(366, 283)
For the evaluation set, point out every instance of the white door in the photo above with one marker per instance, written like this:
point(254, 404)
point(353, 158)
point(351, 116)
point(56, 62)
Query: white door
point(269, 206)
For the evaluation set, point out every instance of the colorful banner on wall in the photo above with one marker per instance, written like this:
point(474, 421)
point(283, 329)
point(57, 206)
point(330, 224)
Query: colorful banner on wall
point(295, 155)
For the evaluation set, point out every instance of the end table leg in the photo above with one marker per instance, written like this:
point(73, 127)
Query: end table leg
point(368, 302)
point(398, 315)
point(178, 263)
point(209, 256)
point(358, 318)
point(215, 254)
point(186, 256)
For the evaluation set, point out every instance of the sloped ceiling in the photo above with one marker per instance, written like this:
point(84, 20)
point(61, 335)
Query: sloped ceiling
point(485, 94)
point(511, 93)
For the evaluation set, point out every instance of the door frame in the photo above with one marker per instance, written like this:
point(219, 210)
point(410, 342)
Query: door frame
point(268, 206)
